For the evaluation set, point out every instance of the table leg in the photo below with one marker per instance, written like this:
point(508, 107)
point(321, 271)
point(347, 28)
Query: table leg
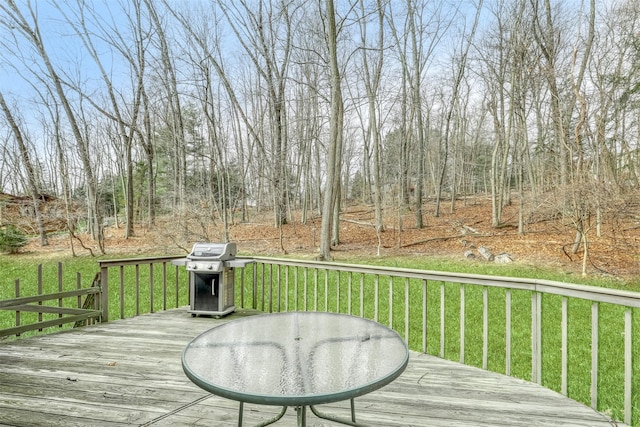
point(351, 422)
point(265, 423)
point(302, 416)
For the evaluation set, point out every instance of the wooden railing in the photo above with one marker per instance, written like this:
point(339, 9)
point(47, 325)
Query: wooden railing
point(572, 338)
point(552, 333)
point(77, 306)
point(144, 285)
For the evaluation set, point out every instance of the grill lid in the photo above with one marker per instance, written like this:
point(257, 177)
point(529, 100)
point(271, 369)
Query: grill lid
point(213, 251)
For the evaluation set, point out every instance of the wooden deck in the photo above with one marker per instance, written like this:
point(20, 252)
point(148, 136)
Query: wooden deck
point(128, 372)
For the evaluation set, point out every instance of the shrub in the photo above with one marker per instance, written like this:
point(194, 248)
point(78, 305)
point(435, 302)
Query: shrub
point(11, 239)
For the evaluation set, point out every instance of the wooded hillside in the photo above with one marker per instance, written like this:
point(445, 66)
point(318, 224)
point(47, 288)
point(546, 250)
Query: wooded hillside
point(206, 112)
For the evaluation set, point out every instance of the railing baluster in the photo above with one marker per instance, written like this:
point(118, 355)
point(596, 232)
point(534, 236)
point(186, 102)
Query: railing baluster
point(279, 289)
point(376, 297)
point(391, 302)
point(326, 290)
point(104, 294)
point(424, 315)
point(137, 290)
point(315, 289)
point(151, 289)
point(295, 287)
point(258, 270)
point(442, 319)
point(362, 295)
point(462, 325)
point(286, 289)
point(254, 302)
point(304, 287)
point(270, 289)
point(594, 355)
point(485, 328)
point(349, 279)
point(338, 291)
point(406, 309)
point(507, 355)
point(628, 364)
point(178, 287)
point(536, 337)
point(263, 285)
point(564, 332)
point(164, 285)
point(122, 294)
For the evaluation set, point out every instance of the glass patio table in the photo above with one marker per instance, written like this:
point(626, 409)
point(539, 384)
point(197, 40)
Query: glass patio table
point(296, 359)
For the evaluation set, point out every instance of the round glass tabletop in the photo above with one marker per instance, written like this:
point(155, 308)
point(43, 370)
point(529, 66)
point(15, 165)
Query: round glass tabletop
point(295, 359)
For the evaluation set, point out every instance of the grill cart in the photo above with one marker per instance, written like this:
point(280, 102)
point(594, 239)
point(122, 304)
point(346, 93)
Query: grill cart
point(211, 268)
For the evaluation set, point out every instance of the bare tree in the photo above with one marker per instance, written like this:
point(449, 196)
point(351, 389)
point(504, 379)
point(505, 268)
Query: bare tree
point(125, 121)
point(174, 120)
point(459, 70)
point(17, 22)
point(372, 75)
point(25, 156)
point(264, 30)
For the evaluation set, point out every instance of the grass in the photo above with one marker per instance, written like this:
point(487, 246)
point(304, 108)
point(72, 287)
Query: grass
point(384, 299)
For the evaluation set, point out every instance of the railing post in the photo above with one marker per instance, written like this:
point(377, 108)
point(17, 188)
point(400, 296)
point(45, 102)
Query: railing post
point(40, 292)
point(104, 293)
point(17, 285)
point(60, 288)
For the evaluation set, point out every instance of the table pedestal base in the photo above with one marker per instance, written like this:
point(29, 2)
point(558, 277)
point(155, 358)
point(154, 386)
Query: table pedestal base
point(302, 416)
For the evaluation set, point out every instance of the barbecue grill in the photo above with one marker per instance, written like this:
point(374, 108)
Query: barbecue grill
point(211, 268)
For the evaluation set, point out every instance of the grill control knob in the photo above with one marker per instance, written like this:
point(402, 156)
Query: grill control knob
point(210, 267)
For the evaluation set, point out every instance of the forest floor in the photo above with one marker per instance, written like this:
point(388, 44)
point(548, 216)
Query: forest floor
point(545, 243)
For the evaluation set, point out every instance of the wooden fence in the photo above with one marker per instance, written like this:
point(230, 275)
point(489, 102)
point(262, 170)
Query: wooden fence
point(552, 333)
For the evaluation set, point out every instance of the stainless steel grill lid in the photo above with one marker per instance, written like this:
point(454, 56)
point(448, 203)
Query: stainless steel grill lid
point(213, 251)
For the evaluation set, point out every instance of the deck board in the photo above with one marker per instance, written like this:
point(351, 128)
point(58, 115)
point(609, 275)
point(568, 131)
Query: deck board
point(128, 372)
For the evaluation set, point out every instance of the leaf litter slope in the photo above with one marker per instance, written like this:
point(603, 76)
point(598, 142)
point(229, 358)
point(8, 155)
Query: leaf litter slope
point(546, 242)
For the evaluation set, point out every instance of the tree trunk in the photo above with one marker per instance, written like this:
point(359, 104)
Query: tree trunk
point(332, 182)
